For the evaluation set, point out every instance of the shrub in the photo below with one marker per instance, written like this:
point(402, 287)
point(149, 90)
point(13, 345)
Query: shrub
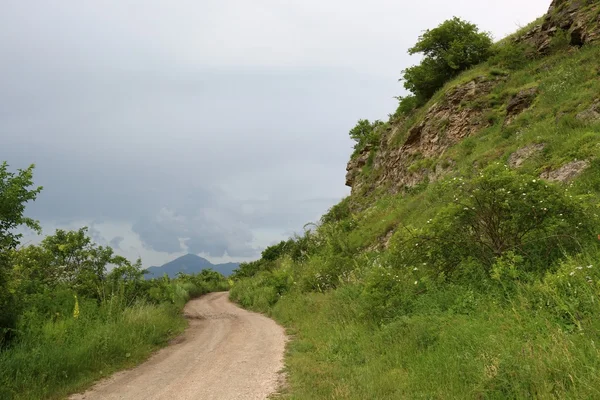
point(512, 56)
point(365, 133)
point(406, 104)
point(452, 47)
point(501, 212)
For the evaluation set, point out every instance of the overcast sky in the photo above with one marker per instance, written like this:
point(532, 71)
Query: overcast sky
point(215, 127)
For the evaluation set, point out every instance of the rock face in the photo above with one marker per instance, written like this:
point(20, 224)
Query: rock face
point(579, 18)
point(567, 172)
point(455, 117)
point(517, 158)
point(356, 164)
point(592, 114)
point(519, 103)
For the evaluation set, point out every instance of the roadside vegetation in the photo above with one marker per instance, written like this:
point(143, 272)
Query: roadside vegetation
point(484, 284)
point(71, 311)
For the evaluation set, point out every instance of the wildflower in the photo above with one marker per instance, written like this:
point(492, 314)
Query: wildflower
point(415, 269)
point(580, 268)
point(416, 282)
point(589, 266)
point(572, 273)
point(76, 308)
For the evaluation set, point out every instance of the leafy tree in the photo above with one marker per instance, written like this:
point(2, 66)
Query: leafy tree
point(15, 192)
point(449, 49)
point(365, 133)
point(79, 262)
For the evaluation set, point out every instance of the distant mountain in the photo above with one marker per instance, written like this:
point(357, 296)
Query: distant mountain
point(189, 264)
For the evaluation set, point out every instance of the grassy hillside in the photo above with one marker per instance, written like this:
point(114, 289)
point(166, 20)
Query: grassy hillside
point(465, 264)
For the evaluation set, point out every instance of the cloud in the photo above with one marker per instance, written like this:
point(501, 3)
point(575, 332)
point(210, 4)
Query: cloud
point(209, 231)
point(115, 242)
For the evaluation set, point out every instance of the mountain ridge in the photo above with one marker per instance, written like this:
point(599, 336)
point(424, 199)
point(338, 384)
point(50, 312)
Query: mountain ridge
point(189, 264)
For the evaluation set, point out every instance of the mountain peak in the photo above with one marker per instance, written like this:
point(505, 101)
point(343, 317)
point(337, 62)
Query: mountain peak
point(189, 264)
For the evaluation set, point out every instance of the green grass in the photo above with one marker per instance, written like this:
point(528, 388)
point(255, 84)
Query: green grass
point(51, 358)
point(455, 344)
point(57, 358)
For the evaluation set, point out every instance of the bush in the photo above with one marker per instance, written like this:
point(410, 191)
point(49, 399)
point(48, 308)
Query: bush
point(452, 47)
point(365, 133)
point(500, 214)
point(406, 104)
point(512, 56)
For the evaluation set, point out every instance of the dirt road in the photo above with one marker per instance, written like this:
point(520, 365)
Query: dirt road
point(226, 353)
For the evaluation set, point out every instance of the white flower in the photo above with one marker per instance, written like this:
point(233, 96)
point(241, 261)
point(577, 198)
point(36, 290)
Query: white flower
point(416, 282)
point(415, 269)
point(572, 273)
point(590, 266)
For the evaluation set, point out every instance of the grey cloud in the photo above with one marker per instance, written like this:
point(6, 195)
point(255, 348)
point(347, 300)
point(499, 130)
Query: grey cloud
point(209, 231)
point(115, 242)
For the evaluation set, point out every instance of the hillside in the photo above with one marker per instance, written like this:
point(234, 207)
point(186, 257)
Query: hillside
point(189, 264)
point(464, 263)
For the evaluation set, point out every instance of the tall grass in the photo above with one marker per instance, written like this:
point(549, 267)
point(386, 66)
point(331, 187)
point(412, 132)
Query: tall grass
point(514, 341)
point(52, 358)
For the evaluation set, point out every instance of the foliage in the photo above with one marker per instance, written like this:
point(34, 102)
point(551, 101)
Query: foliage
point(512, 56)
point(498, 212)
point(452, 47)
point(15, 192)
point(406, 105)
point(338, 212)
point(365, 133)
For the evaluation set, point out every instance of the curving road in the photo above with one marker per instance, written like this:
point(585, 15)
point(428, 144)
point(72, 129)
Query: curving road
point(226, 353)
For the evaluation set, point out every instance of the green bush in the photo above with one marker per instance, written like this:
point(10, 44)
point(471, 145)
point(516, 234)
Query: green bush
point(512, 56)
point(452, 47)
point(365, 133)
point(406, 104)
point(496, 214)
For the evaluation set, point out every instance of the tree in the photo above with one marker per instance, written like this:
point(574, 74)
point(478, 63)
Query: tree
point(365, 133)
point(15, 192)
point(452, 47)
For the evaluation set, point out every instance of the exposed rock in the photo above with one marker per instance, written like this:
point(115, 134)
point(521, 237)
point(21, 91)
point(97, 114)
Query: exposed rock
point(592, 114)
point(579, 18)
point(517, 158)
point(567, 172)
point(519, 103)
point(446, 122)
point(355, 165)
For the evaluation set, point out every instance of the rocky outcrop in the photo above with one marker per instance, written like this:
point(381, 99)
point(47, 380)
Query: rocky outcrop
point(356, 164)
point(579, 18)
point(592, 114)
point(517, 158)
point(567, 172)
point(456, 116)
point(519, 103)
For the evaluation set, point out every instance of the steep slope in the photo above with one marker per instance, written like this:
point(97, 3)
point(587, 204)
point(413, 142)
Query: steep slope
point(464, 263)
point(189, 264)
